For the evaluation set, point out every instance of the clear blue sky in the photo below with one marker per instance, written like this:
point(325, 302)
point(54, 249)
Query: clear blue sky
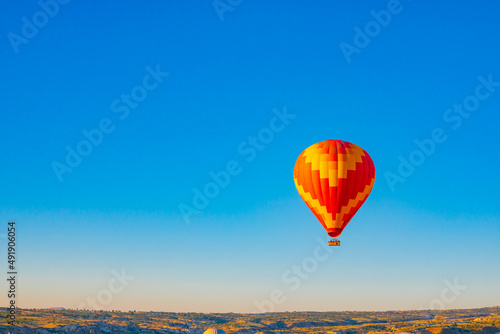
point(119, 206)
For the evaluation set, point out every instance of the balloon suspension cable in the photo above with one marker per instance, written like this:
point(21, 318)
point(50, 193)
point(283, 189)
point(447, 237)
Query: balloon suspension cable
point(334, 242)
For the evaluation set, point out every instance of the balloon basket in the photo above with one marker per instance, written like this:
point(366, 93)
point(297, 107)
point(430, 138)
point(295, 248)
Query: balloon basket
point(334, 242)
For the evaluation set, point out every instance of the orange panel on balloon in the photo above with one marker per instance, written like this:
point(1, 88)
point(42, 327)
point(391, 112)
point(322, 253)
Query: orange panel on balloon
point(334, 178)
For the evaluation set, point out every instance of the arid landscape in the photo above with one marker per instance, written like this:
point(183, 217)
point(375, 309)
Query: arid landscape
point(483, 320)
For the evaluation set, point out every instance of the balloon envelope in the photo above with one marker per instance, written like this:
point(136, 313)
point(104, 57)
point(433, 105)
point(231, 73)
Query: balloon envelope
point(334, 178)
point(214, 331)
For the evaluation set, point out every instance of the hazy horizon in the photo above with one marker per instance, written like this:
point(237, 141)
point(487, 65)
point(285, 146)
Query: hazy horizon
point(148, 153)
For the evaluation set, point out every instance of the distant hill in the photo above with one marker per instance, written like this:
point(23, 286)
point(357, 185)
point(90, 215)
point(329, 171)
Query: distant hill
point(59, 320)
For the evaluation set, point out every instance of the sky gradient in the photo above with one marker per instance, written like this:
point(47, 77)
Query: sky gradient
point(180, 90)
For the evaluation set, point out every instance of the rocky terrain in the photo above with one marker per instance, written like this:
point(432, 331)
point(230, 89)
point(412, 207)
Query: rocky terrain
point(484, 320)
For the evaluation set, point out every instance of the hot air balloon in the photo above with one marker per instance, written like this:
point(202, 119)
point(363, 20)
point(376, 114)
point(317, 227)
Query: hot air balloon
point(214, 331)
point(334, 178)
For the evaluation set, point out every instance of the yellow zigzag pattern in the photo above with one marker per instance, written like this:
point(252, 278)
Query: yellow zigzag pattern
point(328, 217)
